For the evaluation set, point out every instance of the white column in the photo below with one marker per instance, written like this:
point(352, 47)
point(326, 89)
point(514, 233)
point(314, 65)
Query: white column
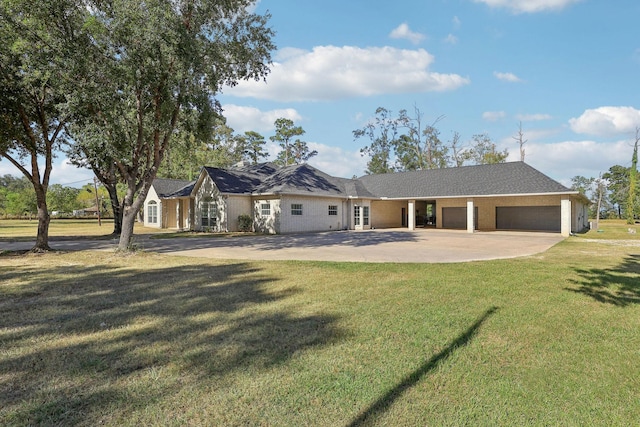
point(565, 217)
point(470, 216)
point(178, 212)
point(412, 215)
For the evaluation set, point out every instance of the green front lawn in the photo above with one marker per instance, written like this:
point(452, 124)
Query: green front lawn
point(92, 338)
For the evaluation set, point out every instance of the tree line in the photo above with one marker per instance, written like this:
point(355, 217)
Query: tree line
point(614, 193)
point(188, 155)
point(405, 143)
point(17, 198)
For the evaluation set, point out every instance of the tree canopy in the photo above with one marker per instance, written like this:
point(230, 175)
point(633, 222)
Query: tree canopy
point(38, 72)
point(404, 143)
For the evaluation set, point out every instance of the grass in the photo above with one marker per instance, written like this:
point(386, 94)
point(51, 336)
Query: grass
point(26, 230)
point(91, 338)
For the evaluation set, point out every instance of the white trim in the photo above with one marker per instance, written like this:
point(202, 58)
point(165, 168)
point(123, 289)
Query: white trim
point(573, 193)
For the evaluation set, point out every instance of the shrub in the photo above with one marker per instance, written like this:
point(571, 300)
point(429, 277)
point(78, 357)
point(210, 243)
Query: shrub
point(245, 223)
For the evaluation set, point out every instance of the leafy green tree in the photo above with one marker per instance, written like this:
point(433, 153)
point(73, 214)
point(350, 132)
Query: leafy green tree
point(155, 68)
point(21, 202)
point(595, 189)
point(484, 151)
point(382, 133)
point(38, 45)
point(93, 155)
point(286, 131)
point(301, 153)
point(420, 147)
point(633, 173)
point(62, 199)
point(253, 147)
point(618, 185)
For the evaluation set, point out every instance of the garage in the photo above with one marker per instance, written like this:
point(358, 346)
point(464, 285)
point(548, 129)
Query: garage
point(528, 218)
point(456, 218)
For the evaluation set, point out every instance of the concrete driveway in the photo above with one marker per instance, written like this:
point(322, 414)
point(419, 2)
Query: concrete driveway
point(396, 245)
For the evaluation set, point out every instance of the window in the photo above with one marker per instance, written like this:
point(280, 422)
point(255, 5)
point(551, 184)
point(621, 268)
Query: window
point(356, 215)
point(209, 214)
point(296, 209)
point(365, 215)
point(265, 209)
point(152, 212)
point(333, 210)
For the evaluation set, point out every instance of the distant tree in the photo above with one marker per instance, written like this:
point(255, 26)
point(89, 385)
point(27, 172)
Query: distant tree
point(94, 154)
point(382, 133)
point(301, 153)
point(225, 147)
point(419, 148)
point(253, 147)
point(63, 199)
point(618, 185)
point(21, 202)
point(286, 131)
point(484, 151)
point(595, 189)
point(633, 173)
point(521, 141)
point(459, 154)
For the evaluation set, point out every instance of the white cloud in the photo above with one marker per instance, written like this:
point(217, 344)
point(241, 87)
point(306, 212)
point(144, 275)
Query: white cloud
point(507, 77)
point(451, 39)
point(456, 23)
point(605, 121)
point(528, 6)
point(564, 160)
point(493, 116)
point(62, 172)
point(242, 119)
point(330, 72)
point(403, 31)
point(533, 117)
point(337, 161)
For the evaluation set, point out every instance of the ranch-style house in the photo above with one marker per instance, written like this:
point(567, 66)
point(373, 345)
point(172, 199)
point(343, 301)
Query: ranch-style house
point(301, 198)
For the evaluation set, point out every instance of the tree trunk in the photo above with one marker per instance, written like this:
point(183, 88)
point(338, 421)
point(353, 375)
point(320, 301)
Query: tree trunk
point(126, 234)
point(42, 239)
point(116, 207)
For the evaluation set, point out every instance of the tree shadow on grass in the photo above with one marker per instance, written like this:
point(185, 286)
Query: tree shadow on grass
point(76, 343)
point(619, 286)
point(373, 412)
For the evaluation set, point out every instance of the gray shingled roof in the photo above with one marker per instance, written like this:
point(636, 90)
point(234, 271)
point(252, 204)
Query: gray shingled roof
point(302, 179)
point(166, 187)
point(480, 180)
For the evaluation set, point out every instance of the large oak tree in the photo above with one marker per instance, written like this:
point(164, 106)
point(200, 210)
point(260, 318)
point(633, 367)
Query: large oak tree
point(154, 70)
point(38, 41)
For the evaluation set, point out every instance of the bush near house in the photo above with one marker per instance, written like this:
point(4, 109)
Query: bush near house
point(245, 223)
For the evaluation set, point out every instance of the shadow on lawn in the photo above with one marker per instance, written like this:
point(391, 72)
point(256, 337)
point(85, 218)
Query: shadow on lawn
point(369, 415)
point(618, 286)
point(88, 339)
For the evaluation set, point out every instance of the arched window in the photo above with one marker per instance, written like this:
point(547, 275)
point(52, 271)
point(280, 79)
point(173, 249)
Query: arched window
point(152, 212)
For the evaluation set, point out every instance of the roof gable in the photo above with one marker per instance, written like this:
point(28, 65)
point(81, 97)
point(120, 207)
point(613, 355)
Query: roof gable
point(165, 187)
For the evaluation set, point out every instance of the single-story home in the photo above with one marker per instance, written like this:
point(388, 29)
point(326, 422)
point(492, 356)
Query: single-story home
point(301, 198)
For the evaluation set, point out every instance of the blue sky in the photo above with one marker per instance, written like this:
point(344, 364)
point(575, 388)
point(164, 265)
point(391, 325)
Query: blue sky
point(567, 69)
